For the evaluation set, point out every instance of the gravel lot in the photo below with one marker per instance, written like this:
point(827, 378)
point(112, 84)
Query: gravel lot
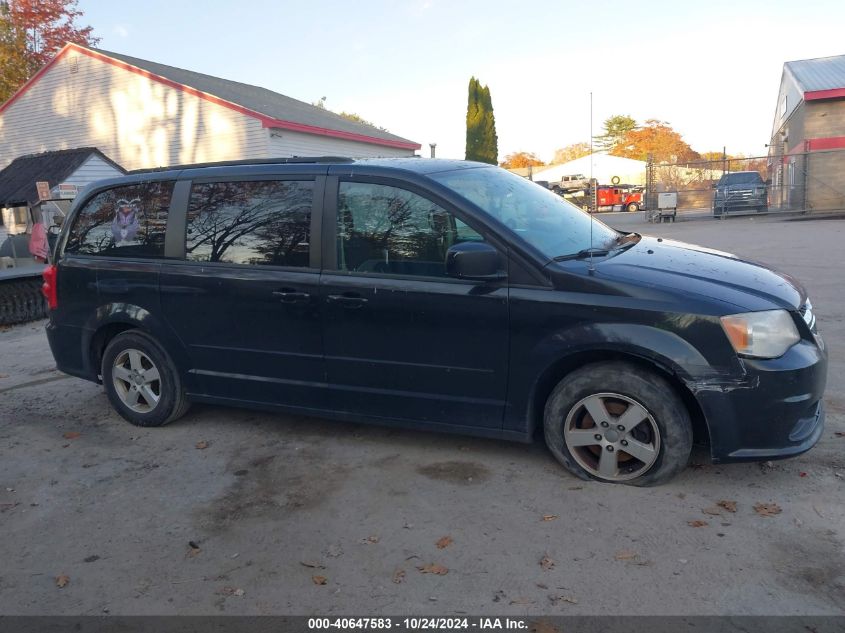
point(276, 504)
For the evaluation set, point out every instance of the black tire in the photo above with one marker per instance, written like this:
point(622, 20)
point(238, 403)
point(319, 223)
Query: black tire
point(21, 301)
point(172, 403)
point(632, 207)
point(668, 426)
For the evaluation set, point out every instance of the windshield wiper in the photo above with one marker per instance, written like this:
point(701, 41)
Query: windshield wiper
point(622, 242)
point(583, 254)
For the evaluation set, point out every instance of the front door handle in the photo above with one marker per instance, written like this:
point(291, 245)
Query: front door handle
point(347, 300)
point(289, 295)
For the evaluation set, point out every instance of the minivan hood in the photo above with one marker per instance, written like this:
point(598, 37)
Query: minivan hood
point(706, 272)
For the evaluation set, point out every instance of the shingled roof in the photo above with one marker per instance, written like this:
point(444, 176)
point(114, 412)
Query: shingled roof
point(274, 106)
point(17, 180)
point(822, 73)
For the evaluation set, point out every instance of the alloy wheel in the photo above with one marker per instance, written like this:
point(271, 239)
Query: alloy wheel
point(612, 436)
point(136, 380)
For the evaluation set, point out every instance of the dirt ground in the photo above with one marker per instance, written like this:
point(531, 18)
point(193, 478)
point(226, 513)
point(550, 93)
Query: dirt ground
point(239, 512)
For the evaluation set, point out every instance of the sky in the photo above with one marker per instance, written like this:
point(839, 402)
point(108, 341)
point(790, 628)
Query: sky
point(710, 69)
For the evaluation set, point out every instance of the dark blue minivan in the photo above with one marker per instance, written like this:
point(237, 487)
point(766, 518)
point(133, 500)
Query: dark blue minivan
point(432, 294)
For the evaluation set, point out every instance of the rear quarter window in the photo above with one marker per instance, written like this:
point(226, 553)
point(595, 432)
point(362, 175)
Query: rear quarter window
point(127, 221)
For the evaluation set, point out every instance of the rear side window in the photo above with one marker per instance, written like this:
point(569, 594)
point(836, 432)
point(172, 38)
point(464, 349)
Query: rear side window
point(128, 221)
point(250, 222)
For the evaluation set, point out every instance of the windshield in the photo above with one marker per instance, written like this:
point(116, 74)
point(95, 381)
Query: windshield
point(741, 178)
point(542, 218)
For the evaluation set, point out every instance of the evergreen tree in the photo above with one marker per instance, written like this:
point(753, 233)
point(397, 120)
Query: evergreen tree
point(482, 144)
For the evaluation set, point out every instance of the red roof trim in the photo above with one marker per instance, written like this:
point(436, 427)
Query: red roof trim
point(833, 93)
point(266, 121)
point(350, 136)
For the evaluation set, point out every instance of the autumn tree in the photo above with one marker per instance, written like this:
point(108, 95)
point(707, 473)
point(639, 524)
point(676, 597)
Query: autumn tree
point(31, 33)
point(518, 160)
point(570, 152)
point(658, 139)
point(13, 61)
point(482, 143)
point(615, 129)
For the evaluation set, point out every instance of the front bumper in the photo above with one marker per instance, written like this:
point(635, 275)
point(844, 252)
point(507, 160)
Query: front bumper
point(775, 411)
point(738, 204)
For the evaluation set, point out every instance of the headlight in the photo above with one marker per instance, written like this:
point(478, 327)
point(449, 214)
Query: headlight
point(765, 334)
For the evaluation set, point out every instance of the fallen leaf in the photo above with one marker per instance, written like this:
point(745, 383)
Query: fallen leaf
point(371, 539)
point(399, 576)
point(549, 517)
point(433, 568)
point(728, 505)
point(499, 595)
point(319, 580)
point(767, 509)
point(559, 599)
point(543, 626)
point(311, 565)
point(840, 434)
point(4, 375)
point(802, 474)
point(231, 591)
point(713, 510)
point(201, 445)
point(444, 542)
point(62, 581)
point(625, 554)
point(72, 435)
point(697, 523)
point(522, 601)
point(547, 563)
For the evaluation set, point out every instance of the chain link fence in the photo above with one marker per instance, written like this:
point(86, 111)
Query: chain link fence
point(802, 182)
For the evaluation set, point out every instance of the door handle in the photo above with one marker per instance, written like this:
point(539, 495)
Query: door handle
point(288, 295)
point(348, 300)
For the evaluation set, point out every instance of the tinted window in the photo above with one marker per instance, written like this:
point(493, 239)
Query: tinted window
point(127, 221)
point(383, 229)
point(250, 222)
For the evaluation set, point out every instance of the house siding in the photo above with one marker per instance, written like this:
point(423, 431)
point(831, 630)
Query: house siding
point(136, 121)
point(286, 143)
point(92, 170)
point(825, 119)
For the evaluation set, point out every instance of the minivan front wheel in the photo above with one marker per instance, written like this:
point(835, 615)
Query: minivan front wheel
point(619, 423)
point(141, 381)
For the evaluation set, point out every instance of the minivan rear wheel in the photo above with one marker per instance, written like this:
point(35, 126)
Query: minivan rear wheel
point(141, 381)
point(620, 423)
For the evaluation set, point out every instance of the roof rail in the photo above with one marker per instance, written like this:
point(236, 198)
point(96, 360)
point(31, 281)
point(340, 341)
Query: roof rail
point(250, 161)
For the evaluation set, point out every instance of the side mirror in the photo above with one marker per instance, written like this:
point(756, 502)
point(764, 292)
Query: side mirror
point(473, 260)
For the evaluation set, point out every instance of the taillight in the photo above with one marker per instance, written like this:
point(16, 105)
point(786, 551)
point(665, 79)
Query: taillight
point(48, 288)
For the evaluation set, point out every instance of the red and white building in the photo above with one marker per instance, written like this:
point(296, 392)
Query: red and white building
point(807, 149)
point(144, 114)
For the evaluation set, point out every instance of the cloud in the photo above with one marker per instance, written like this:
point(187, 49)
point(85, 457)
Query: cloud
point(120, 30)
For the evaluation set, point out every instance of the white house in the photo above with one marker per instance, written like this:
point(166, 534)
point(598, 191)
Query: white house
point(65, 171)
point(143, 114)
point(600, 165)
